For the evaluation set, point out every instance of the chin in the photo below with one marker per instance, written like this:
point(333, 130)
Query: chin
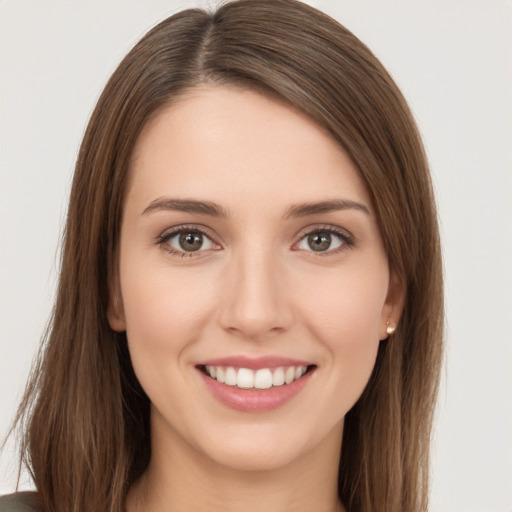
point(255, 459)
point(269, 448)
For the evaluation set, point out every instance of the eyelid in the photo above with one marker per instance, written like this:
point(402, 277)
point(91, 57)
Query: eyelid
point(347, 238)
point(169, 233)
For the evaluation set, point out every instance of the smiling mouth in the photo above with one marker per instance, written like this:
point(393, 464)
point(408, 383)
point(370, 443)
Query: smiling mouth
point(261, 379)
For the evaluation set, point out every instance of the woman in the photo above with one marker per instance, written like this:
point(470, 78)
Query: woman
point(249, 312)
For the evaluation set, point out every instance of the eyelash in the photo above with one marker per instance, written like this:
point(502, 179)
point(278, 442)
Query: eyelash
point(347, 240)
point(164, 238)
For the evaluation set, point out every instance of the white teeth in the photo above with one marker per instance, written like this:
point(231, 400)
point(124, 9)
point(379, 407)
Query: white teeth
point(264, 378)
point(278, 377)
point(230, 376)
point(220, 375)
point(289, 376)
point(245, 378)
point(300, 371)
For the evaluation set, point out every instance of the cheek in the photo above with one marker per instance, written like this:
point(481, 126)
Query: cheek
point(346, 306)
point(345, 318)
point(164, 311)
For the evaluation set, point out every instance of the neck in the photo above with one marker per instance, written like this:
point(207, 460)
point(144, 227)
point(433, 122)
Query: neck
point(180, 478)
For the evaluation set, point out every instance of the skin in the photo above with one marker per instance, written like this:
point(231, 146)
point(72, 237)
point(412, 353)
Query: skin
point(255, 288)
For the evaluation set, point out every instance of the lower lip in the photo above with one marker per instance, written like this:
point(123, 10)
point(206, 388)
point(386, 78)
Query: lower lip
point(251, 400)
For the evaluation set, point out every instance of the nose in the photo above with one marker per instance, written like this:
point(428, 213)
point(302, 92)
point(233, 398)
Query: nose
point(255, 303)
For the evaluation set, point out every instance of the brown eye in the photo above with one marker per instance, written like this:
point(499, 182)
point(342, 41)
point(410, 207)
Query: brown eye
point(187, 241)
point(190, 242)
point(323, 240)
point(320, 241)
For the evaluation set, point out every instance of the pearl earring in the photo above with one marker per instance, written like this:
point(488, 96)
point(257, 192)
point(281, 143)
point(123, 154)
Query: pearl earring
point(390, 329)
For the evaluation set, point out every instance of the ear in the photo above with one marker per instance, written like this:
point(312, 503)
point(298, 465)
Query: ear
point(393, 307)
point(115, 309)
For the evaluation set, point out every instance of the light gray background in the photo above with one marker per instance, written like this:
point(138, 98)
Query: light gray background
point(452, 59)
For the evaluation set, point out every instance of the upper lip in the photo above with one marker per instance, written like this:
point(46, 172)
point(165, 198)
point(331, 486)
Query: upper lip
point(254, 363)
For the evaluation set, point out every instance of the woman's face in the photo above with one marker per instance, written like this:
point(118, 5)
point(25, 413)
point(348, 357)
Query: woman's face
point(249, 254)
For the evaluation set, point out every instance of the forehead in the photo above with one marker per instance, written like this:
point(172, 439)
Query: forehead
point(229, 144)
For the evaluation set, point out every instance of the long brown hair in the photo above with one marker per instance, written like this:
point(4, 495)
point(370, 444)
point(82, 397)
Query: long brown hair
point(84, 417)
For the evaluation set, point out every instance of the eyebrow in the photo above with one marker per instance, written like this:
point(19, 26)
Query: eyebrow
point(215, 210)
point(304, 209)
point(186, 205)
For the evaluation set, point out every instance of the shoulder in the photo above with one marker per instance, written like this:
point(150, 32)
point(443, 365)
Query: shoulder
point(21, 502)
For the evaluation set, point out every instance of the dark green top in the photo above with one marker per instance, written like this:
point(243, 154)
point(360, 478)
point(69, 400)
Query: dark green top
point(20, 502)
